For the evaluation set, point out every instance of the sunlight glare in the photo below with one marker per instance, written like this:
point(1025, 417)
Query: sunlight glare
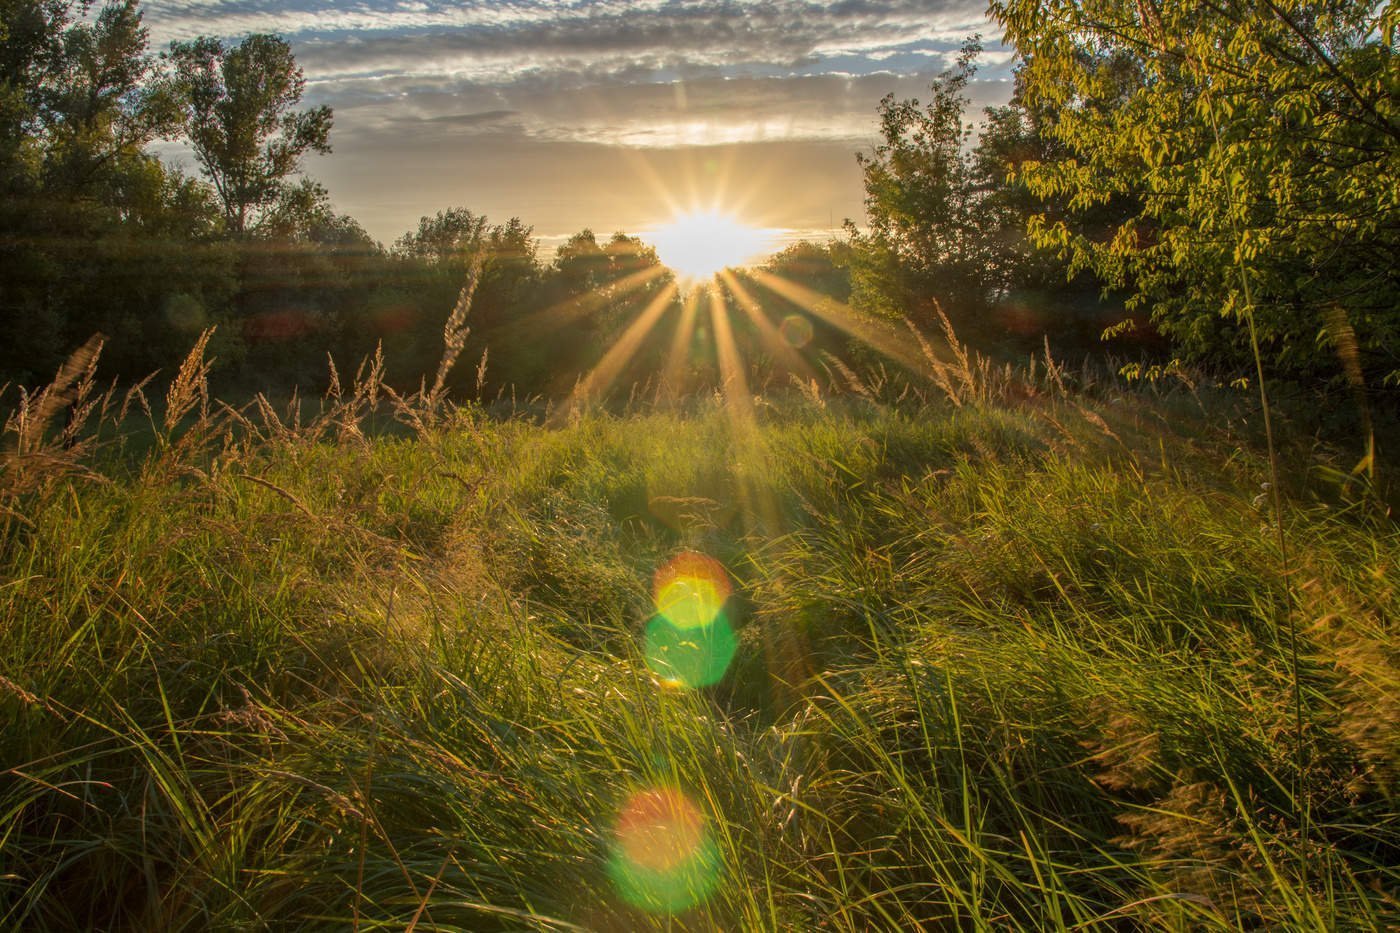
point(664, 858)
point(699, 244)
point(689, 643)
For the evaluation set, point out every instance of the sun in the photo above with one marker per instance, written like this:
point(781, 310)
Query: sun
point(699, 244)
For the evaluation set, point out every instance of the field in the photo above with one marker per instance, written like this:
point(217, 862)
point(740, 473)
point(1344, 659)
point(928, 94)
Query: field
point(1021, 654)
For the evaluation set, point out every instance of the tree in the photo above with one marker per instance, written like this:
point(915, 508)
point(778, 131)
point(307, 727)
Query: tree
point(303, 213)
point(95, 234)
point(239, 115)
point(443, 247)
point(925, 240)
point(1257, 146)
point(29, 42)
point(443, 238)
point(605, 273)
point(98, 106)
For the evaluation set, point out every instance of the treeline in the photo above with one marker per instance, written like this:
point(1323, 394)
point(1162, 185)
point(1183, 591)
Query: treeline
point(97, 235)
point(1171, 178)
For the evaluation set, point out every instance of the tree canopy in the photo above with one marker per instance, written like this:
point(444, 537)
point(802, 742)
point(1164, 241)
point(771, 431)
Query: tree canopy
point(1257, 146)
point(239, 116)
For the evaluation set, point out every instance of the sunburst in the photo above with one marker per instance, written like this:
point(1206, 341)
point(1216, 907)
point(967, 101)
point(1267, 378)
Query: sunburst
point(698, 244)
point(708, 252)
point(705, 251)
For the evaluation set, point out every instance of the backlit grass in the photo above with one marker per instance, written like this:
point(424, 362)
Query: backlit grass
point(1014, 663)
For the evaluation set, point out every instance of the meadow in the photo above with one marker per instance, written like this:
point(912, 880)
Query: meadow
point(1015, 650)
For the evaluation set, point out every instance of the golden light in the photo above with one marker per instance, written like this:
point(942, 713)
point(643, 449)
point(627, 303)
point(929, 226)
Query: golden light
point(690, 589)
point(664, 857)
point(701, 243)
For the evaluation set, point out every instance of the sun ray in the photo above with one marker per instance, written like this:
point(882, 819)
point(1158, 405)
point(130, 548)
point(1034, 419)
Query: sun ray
point(643, 168)
point(680, 347)
point(738, 403)
point(773, 340)
point(840, 315)
point(579, 306)
point(596, 384)
point(785, 648)
point(734, 383)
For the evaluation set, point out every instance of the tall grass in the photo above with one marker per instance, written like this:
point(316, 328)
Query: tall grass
point(1008, 658)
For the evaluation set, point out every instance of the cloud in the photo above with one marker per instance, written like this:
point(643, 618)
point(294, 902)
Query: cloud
point(699, 112)
point(485, 118)
point(599, 113)
point(627, 72)
point(502, 42)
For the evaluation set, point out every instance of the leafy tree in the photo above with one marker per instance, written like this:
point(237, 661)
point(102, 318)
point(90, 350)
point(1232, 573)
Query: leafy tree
point(585, 267)
point(29, 42)
point(434, 262)
point(925, 239)
point(95, 234)
point(443, 246)
point(303, 213)
point(239, 115)
point(820, 267)
point(99, 106)
point(1038, 296)
point(444, 238)
point(1257, 146)
point(948, 225)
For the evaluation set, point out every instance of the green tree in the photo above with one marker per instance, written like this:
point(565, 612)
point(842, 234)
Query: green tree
point(239, 115)
point(95, 234)
point(444, 238)
point(442, 248)
point(30, 32)
point(1038, 296)
point(585, 267)
point(303, 213)
point(925, 239)
point(99, 106)
point(434, 260)
point(1256, 144)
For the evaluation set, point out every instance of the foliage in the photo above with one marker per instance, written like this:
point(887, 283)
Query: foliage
point(97, 236)
point(99, 104)
point(303, 213)
point(948, 217)
point(238, 115)
point(821, 267)
point(925, 241)
point(1255, 144)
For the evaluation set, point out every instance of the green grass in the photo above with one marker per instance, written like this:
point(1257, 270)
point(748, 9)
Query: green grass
point(1011, 666)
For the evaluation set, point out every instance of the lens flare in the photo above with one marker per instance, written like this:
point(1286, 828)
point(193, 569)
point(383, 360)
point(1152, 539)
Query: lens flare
point(689, 657)
point(663, 857)
point(690, 589)
point(689, 643)
point(185, 313)
point(796, 330)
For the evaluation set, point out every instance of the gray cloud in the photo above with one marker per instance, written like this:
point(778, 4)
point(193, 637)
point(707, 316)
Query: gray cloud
point(483, 118)
point(601, 113)
point(502, 42)
point(701, 111)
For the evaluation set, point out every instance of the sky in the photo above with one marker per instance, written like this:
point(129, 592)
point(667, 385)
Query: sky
point(608, 114)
